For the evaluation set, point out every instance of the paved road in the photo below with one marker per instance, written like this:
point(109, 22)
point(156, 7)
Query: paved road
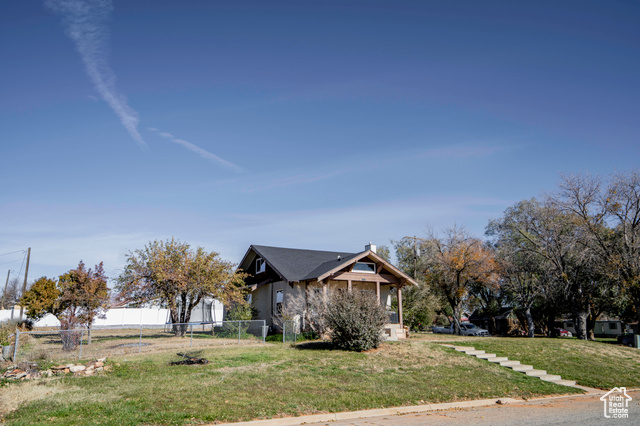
point(580, 410)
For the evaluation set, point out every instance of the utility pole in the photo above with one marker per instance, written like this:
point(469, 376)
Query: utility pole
point(5, 288)
point(415, 255)
point(24, 285)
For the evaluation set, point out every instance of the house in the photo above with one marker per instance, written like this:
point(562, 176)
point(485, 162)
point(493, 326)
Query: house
point(278, 273)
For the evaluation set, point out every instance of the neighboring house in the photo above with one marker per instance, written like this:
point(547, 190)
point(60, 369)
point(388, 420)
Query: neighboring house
point(277, 273)
point(604, 327)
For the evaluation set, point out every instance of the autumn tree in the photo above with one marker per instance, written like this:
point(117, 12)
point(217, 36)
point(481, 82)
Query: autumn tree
point(453, 263)
point(78, 297)
point(171, 273)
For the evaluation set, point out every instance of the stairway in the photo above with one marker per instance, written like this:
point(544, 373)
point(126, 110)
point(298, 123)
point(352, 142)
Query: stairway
point(514, 365)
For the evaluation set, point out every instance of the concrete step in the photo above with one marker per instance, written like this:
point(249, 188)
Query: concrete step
point(464, 348)
point(486, 356)
point(535, 373)
point(520, 368)
point(550, 378)
point(565, 382)
point(498, 359)
point(474, 352)
point(509, 363)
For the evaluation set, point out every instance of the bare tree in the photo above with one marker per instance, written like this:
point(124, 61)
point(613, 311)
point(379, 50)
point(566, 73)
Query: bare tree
point(609, 218)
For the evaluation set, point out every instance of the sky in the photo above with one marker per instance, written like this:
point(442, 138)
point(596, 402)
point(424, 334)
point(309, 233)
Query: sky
point(318, 125)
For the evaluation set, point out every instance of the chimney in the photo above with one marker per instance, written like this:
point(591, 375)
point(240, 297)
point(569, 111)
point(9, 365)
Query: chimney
point(370, 246)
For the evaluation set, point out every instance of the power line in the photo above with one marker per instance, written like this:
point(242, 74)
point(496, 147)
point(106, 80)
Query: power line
point(12, 252)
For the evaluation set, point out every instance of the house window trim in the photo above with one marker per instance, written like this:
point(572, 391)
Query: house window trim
point(261, 265)
point(374, 271)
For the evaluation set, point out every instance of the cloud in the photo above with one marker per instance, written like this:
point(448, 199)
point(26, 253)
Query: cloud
point(200, 151)
point(85, 23)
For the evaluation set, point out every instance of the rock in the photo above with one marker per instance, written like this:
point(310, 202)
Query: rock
point(99, 369)
point(99, 364)
point(77, 368)
point(66, 371)
point(89, 372)
point(102, 359)
point(68, 366)
point(90, 367)
point(47, 373)
point(107, 367)
point(58, 367)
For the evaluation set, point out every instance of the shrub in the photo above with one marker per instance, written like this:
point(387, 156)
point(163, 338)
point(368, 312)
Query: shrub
point(356, 320)
point(7, 328)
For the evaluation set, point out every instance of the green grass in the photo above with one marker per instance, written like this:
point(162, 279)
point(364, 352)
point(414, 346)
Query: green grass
point(266, 381)
point(594, 364)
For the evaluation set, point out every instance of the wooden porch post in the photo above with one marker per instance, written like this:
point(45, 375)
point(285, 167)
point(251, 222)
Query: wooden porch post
point(349, 286)
point(378, 291)
point(400, 306)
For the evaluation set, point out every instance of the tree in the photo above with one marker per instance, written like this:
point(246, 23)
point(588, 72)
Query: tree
point(609, 219)
point(77, 297)
point(454, 263)
point(549, 234)
point(522, 272)
point(85, 293)
point(10, 293)
point(383, 252)
point(170, 272)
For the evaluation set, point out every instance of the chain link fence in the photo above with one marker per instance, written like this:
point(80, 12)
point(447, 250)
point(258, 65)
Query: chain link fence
point(100, 342)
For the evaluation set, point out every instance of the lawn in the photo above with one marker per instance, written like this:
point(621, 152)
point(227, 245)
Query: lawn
point(264, 381)
point(600, 365)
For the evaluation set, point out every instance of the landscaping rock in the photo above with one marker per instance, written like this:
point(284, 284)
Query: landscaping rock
point(77, 368)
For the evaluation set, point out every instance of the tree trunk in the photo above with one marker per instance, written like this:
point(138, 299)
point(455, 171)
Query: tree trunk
point(530, 326)
point(89, 334)
point(581, 325)
point(551, 329)
point(456, 321)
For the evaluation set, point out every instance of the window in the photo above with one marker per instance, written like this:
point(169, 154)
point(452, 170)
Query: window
point(279, 300)
point(613, 326)
point(369, 268)
point(260, 265)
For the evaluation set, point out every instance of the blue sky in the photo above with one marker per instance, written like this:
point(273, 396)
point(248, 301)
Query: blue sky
point(321, 125)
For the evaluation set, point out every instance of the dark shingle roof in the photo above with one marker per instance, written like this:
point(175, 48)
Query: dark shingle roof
point(301, 265)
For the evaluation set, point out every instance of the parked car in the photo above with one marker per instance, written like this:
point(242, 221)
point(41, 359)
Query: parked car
point(561, 332)
point(627, 339)
point(466, 328)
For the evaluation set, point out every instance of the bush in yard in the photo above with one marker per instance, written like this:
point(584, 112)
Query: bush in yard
point(356, 320)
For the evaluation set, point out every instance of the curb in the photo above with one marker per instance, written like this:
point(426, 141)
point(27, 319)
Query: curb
point(349, 415)
point(332, 417)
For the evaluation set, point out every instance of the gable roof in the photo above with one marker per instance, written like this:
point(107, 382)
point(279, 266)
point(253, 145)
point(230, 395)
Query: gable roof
point(299, 265)
point(295, 265)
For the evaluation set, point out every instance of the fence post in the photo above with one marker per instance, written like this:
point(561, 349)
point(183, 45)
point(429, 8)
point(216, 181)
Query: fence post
point(81, 337)
point(140, 341)
point(15, 346)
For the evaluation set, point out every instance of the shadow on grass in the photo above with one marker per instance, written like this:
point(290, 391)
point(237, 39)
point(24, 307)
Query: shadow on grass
point(317, 345)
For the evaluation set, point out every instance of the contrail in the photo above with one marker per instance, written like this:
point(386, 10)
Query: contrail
point(200, 151)
point(85, 23)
